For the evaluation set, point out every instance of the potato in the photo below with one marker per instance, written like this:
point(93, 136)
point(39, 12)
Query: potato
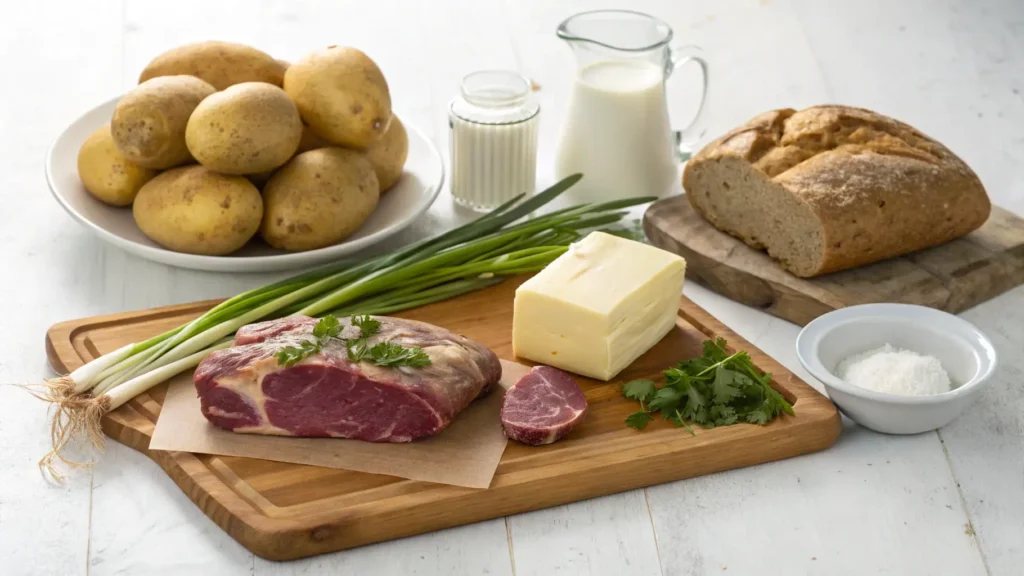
point(318, 198)
point(342, 95)
point(260, 179)
point(388, 156)
point(106, 173)
point(310, 140)
point(222, 64)
point(248, 128)
point(192, 209)
point(149, 121)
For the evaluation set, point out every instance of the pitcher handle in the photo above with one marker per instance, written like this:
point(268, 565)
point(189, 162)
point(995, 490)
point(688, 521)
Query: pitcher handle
point(687, 138)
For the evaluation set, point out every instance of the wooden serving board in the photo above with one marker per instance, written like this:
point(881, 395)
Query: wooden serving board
point(952, 277)
point(283, 511)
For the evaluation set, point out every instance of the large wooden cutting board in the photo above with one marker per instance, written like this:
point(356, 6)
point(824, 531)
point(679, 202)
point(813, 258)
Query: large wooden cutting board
point(283, 511)
point(952, 277)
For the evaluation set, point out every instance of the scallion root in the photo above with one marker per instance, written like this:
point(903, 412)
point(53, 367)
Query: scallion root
point(76, 417)
point(504, 242)
point(53, 390)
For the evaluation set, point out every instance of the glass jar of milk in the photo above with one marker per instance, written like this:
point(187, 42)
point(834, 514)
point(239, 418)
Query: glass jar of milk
point(493, 139)
point(616, 131)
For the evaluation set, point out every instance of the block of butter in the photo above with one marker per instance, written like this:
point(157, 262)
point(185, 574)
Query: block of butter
point(599, 306)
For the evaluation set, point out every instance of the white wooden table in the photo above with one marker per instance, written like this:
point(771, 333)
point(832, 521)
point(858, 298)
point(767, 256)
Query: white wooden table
point(950, 502)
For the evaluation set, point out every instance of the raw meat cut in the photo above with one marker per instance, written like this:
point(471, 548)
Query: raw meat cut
point(542, 407)
point(244, 389)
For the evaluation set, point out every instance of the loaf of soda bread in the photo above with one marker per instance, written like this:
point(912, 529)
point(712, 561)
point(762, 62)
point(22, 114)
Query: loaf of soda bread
point(833, 187)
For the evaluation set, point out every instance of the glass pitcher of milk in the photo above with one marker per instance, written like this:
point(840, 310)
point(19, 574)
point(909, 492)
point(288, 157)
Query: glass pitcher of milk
point(616, 131)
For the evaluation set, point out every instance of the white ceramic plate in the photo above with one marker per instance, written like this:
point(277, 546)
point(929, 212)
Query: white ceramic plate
point(410, 198)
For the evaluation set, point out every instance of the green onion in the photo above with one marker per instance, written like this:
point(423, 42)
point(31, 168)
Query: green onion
point(471, 257)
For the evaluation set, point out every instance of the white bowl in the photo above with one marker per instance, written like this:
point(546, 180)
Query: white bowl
point(400, 206)
point(967, 355)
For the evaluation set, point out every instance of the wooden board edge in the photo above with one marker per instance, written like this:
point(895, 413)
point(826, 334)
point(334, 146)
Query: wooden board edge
point(709, 325)
point(781, 299)
point(335, 535)
point(290, 538)
point(194, 478)
point(62, 334)
point(789, 297)
point(214, 498)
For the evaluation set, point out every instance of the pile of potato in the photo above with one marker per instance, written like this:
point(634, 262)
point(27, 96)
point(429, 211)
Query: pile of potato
point(220, 141)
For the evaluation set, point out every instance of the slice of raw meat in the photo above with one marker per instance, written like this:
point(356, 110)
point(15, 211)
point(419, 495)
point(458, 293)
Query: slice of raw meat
point(542, 407)
point(244, 389)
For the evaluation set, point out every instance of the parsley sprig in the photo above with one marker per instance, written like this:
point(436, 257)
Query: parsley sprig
point(386, 353)
point(715, 389)
point(328, 327)
point(389, 354)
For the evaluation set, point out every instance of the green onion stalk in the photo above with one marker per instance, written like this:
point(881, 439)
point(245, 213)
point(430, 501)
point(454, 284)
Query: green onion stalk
point(477, 255)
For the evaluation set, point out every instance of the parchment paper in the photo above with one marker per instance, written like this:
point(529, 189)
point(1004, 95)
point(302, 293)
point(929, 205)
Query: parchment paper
point(464, 454)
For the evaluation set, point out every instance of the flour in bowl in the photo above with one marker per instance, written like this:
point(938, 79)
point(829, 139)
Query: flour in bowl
point(895, 371)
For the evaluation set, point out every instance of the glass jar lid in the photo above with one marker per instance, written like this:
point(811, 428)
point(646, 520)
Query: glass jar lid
point(494, 97)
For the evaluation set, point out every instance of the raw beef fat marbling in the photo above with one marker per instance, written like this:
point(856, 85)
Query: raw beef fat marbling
point(244, 389)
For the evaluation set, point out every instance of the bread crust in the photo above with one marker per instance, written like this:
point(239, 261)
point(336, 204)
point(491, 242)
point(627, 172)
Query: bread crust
point(879, 187)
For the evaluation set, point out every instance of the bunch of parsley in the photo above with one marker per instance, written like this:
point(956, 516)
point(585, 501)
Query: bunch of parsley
point(716, 389)
point(386, 353)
